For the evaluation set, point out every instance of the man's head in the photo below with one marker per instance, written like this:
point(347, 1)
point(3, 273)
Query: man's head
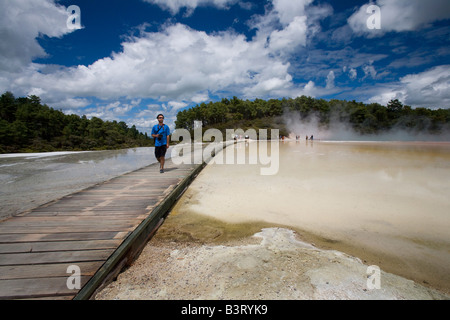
point(160, 118)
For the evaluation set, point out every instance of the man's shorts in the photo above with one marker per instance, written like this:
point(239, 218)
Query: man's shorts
point(160, 151)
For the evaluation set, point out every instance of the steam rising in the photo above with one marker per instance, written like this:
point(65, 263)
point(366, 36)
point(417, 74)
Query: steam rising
point(338, 130)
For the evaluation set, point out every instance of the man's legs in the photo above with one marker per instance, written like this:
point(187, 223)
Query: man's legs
point(162, 160)
point(160, 153)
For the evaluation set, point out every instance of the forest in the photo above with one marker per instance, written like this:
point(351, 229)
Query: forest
point(362, 118)
point(26, 125)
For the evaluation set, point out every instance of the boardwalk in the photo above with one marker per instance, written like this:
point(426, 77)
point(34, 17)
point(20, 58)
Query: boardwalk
point(98, 230)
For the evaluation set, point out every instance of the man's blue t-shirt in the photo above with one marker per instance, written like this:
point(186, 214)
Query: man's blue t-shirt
point(164, 130)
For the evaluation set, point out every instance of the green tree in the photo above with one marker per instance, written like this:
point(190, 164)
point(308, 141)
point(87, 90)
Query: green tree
point(8, 107)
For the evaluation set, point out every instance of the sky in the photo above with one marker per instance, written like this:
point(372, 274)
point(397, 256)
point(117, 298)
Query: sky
point(131, 60)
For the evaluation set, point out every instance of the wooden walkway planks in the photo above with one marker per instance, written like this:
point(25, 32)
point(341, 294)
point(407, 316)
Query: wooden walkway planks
point(97, 229)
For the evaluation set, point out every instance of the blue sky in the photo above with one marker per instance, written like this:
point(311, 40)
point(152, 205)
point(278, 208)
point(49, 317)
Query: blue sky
point(133, 59)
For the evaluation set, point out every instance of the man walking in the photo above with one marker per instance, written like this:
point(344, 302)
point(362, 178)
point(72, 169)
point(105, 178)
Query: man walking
point(161, 134)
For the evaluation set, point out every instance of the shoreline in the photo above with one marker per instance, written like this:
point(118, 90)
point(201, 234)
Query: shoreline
point(193, 256)
point(273, 264)
point(188, 225)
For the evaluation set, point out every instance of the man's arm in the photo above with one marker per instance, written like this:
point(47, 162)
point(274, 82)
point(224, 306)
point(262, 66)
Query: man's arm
point(168, 137)
point(153, 133)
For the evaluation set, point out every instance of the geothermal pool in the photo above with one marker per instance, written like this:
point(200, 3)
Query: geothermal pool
point(386, 203)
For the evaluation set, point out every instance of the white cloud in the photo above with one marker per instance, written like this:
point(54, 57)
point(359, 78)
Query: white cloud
point(400, 15)
point(201, 96)
point(330, 80)
point(175, 105)
point(67, 103)
point(174, 6)
point(369, 71)
point(180, 64)
point(429, 89)
point(289, 38)
point(21, 22)
point(288, 10)
point(247, 5)
point(353, 74)
point(312, 90)
point(113, 110)
point(287, 24)
point(113, 105)
point(176, 64)
point(142, 124)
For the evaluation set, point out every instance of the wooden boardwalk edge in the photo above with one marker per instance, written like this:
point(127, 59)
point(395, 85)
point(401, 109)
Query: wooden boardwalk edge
point(130, 248)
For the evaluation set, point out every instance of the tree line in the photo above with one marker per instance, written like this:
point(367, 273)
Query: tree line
point(363, 118)
point(26, 125)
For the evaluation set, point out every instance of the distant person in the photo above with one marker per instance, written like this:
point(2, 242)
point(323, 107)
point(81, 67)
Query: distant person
point(312, 138)
point(161, 134)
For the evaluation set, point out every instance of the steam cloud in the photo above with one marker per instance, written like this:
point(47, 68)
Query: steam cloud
point(338, 130)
